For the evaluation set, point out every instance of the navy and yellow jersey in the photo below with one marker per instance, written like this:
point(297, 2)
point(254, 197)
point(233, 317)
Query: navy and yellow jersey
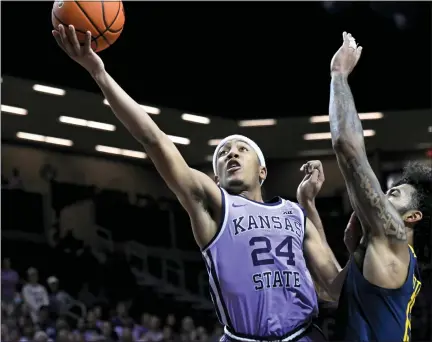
point(370, 313)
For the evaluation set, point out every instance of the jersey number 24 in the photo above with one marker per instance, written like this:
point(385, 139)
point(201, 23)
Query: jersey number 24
point(282, 250)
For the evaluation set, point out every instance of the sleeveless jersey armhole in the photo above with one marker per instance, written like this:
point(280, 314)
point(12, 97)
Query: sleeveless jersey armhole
point(406, 286)
point(304, 221)
point(222, 223)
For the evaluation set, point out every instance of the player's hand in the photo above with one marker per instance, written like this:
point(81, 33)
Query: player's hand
point(312, 181)
point(346, 58)
point(353, 234)
point(82, 54)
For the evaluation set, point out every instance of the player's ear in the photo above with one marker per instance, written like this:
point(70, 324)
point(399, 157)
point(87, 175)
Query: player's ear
point(262, 173)
point(412, 216)
point(216, 179)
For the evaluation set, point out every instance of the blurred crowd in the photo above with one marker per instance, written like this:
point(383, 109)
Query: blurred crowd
point(34, 312)
point(63, 289)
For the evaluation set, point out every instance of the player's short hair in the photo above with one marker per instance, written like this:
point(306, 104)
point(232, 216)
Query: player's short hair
point(419, 176)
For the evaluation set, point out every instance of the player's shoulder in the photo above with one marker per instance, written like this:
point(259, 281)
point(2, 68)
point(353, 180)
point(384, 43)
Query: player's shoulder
point(294, 204)
point(386, 269)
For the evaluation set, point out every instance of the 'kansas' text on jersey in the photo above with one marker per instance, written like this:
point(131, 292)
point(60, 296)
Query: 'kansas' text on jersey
point(258, 278)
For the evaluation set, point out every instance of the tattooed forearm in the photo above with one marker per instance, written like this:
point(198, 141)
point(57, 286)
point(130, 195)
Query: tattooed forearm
point(344, 120)
point(376, 208)
point(364, 189)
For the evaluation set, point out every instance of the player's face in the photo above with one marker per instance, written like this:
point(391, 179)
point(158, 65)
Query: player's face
point(238, 166)
point(401, 198)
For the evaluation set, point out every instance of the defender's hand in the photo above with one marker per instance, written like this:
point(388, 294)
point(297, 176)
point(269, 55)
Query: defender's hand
point(353, 234)
point(312, 181)
point(346, 58)
point(67, 39)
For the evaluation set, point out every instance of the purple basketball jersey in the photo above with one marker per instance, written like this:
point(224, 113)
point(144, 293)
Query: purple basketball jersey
point(259, 282)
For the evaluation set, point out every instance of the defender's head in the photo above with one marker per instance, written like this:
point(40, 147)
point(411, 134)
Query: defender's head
point(412, 196)
point(239, 164)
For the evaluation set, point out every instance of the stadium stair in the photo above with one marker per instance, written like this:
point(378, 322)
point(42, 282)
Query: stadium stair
point(162, 286)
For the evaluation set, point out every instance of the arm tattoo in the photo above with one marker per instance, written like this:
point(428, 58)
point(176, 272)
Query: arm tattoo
point(371, 193)
point(344, 120)
point(364, 189)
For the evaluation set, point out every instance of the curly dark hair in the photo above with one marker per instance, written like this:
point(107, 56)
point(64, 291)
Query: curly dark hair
point(419, 175)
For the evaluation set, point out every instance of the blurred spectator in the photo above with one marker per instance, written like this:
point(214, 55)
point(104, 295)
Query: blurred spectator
point(121, 317)
point(126, 335)
point(61, 325)
point(92, 331)
point(171, 321)
point(34, 294)
point(9, 281)
point(201, 335)
point(80, 326)
point(140, 329)
point(108, 334)
point(40, 336)
point(63, 336)
point(168, 334)
point(154, 333)
point(97, 312)
point(59, 301)
point(15, 182)
point(45, 323)
point(187, 332)
point(217, 333)
point(4, 332)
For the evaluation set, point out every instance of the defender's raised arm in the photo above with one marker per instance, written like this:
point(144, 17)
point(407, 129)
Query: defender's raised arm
point(198, 194)
point(373, 209)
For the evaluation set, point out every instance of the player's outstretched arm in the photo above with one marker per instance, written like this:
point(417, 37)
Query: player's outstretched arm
point(374, 211)
point(321, 262)
point(198, 194)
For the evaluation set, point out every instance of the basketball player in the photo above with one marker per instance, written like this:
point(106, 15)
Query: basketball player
point(255, 252)
point(382, 279)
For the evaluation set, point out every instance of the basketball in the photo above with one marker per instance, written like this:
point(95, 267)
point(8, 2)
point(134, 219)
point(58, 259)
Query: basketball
point(104, 19)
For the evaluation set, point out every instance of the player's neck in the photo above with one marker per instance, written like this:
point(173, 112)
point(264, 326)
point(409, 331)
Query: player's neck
point(410, 236)
point(254, 195)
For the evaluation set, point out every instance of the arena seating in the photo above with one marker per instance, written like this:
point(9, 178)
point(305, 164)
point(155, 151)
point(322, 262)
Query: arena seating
point(145, 220)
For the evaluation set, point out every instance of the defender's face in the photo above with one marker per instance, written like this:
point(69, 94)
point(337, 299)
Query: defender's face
point(401, 197)
point(238, 165)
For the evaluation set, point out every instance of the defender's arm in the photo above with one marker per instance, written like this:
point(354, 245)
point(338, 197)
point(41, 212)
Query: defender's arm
point(373, 209)
point(198, 194)
point(322, 263)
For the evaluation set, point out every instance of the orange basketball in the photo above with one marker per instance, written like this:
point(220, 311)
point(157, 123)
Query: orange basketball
point(104, 19)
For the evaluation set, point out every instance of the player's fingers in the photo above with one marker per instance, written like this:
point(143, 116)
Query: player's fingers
point(319, 167)
point(58, 39)
point(314, 164)
point(314, 176)
point(87, 43)
point(65, 41)
point(73, 39)
point(302, 168)
point(358, 53)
